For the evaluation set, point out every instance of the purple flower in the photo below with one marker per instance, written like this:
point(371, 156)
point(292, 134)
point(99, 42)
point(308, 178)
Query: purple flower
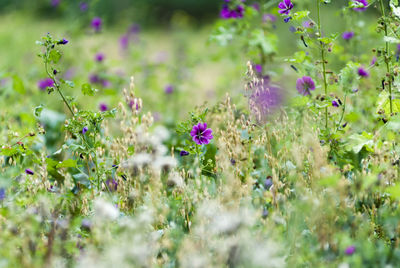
point(84, 130)
point(103, 107)
point(83, 6)
point(96, 24)
point(308, 24)
point(350, 250)
point(268, 183)
point(112, 185)
point(183, 153)
point(256, 6)
point(2, 194)
point(225, 12)
point(287, 19)
point(264, 99)
point(285, 6)
point(335, 103)
point(364, 6)
point(373, 61)
point(134, 29)
point(348, 35)
point(124, 41)
point(45, 83)
point(304, 85)
point(55, 3)
point(94, 78)
point(269, 18)
point(362, 72)
point(99, 57)
point(63, 42)
point(258, 68)
point(201, 134)
point(29, 171)
point(169, 89)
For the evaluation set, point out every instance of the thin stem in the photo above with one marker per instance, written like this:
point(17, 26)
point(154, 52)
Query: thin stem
point(323, 62)
point(55, 83)
point(387, 56)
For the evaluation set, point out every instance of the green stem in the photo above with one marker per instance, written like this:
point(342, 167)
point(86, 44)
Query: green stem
point(323, 62)
point(56, 84)
point(387, 56)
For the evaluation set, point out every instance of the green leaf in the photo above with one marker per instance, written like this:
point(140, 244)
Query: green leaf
point(54, 56)
point(82, 179)
point(8, 151)
point(67, 163)
point(384, 104)
point(38, 110)
point(18, 85)
point(300, 15)
point(268, 44)
point(356, 142)
point(87, 90)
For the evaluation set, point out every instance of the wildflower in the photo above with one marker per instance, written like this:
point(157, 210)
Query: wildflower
point(304, 85)
point(227, 13)
point(169, 89)
point(201, 134)
point(335, 103)
point(134, 29)
point(269, 18)
point(124, 41)
point(63, 42)
point(83, 6)
point(285, 6)
point(183, 153)
point(45, 83)
point(103, 107)
point(55, 3)
point(362, 72)
point(286, 20)
point(348, 35)
point(264, 99)
point(363, 7)
point(256, 6)
point(373, 61)
point(258, 68)
point(2, 194)
point(94, 78)
point(308, 24)
point(99, 57)
point(84, 130)
point(96, 24)
point(112, 185)
point(29, 171)
point(350, 250)
point(55, 71)
point(268, 183)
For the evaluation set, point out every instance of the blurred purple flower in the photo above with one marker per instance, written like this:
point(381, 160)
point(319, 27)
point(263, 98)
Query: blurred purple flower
point(45, 83)
point(348, 35)
point(29, 171)
point(134, 28)
point(99, 57)
point(285, 6)
point(362, 72)
point(84, 130)
point(94, 78)
point(373, 61)
point(183, 153)
point(112, 185)
point(96, 24)
point(364, 5)
point(287, 19)
point(124, 41)
point(63, 42)
point(308, 24)
point(350, 250)
point(2, 194)
point(55, 3)
point(269, 18)
point(264, 99)
point(227, 13)
point(258, 68)
point(304, 85)
point(335, 103)
point(201, 134)
point(83, 6)
point(103, 107)
point(256, 6)
point(169, 89)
